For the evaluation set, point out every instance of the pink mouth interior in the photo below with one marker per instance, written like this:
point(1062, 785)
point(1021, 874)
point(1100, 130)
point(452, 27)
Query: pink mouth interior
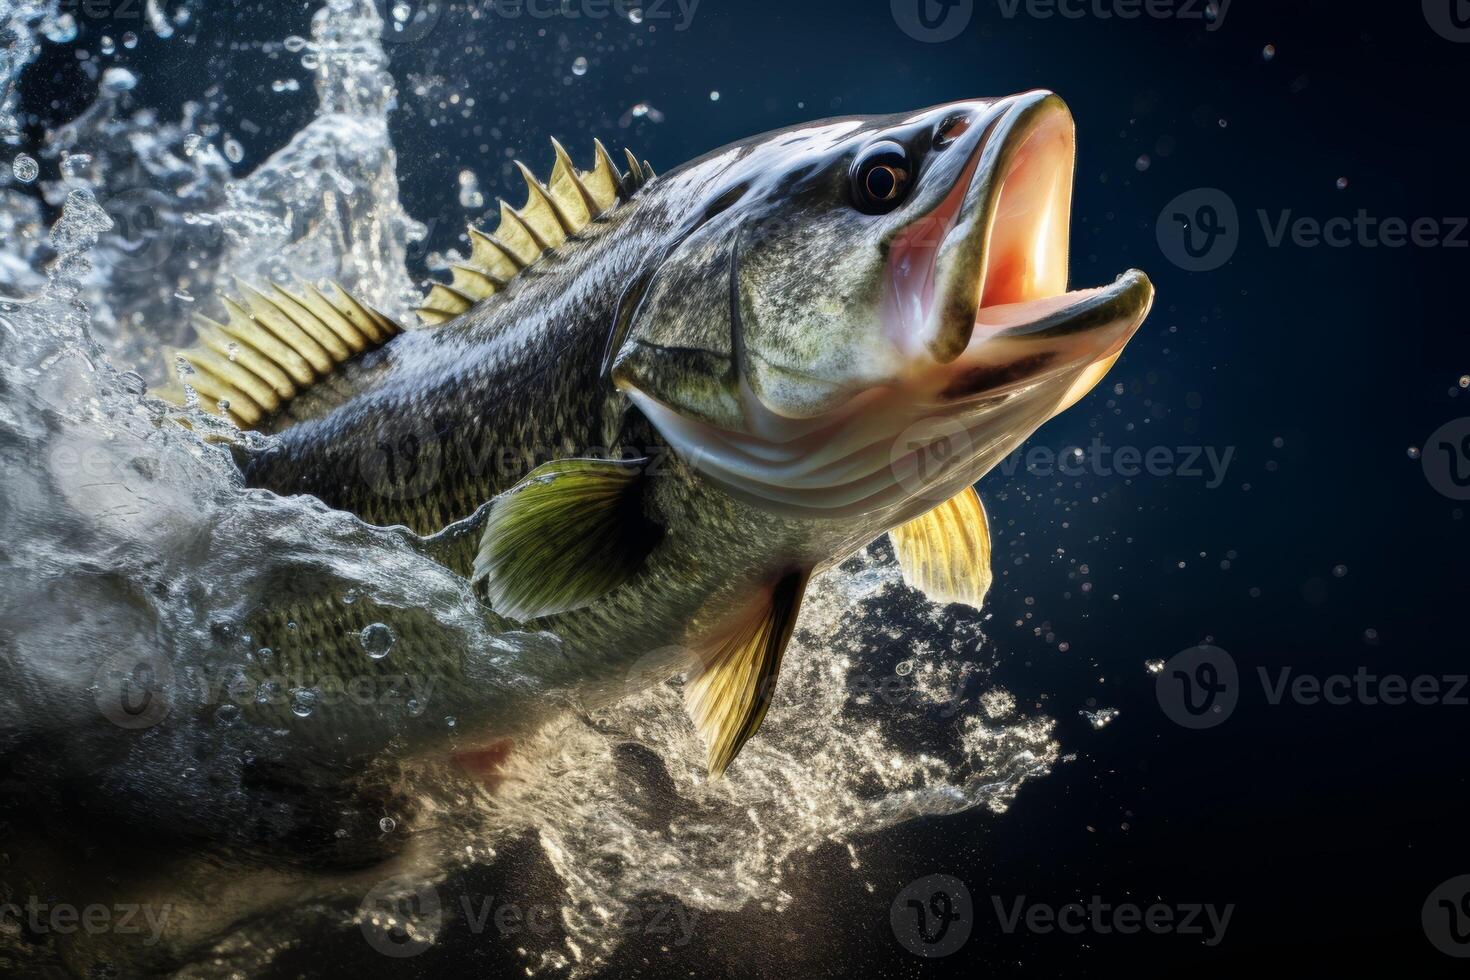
point(1025, 276)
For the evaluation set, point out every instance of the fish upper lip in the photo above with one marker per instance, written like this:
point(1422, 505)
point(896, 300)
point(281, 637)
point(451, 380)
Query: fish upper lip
point(1000, 238)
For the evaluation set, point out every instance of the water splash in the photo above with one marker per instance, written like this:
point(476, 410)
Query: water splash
point(132, 539)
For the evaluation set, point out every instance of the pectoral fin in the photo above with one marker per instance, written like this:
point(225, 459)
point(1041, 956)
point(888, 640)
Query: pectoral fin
point(728, 697)
point(571, 531)
point(946, 553)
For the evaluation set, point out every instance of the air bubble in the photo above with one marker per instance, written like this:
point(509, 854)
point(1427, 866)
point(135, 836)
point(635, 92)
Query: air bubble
point(25, 168)
point(377, 639)
point(579, 67)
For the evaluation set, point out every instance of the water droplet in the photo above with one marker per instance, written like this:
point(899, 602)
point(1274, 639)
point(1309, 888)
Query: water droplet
point(387, 825)
point(1413, 452)
point(1339, 571)
point(234, 152)
point(75, 165)
point(130, 40)
point(303, 701)
point(1101, 718)
point(415, 707)
point(1465, 381)
point(714, 96)
point(377, 639)
point(635, 16)
point(401, 12)
point(1154, 666)
point(107, 45)
point(579, 67)
point(1143, 163)
point(1268, 52)
point(224, 406)
point(116, 81)
point(227, 714)
point(60, 30)
point(470, 195)
point(25, 168)
point(233, 351)
point(285, 85)
point(295, 43)
point(1342, 183)
point(904, 668)
point(450, 721)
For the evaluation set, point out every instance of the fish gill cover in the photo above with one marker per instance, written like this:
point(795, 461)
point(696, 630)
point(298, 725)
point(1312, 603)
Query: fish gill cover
point(128, 543)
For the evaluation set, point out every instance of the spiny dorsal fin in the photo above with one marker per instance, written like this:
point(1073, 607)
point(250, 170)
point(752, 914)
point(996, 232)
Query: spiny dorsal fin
point(946, 553)
point(554, 211)
point(727, 697)
point(273, 346)
point(571, 531)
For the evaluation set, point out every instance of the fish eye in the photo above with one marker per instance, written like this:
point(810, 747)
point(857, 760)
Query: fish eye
point(881, 175)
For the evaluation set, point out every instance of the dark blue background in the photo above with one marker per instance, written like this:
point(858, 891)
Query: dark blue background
point(1326, 826)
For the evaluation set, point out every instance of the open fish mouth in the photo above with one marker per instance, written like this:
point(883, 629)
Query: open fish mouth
point(990, 341)
point(979, 283)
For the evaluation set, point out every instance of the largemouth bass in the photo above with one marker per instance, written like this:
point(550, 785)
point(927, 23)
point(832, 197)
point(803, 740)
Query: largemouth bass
point(647, 409)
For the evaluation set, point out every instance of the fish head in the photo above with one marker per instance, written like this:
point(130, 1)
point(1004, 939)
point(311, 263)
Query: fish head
point(862, 316)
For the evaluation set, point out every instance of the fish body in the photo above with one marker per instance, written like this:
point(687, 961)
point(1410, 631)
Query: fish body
point(642, 424)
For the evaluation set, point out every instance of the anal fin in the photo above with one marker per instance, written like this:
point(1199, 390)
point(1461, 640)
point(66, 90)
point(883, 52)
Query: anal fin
point(727, 698)
point(946, 553)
